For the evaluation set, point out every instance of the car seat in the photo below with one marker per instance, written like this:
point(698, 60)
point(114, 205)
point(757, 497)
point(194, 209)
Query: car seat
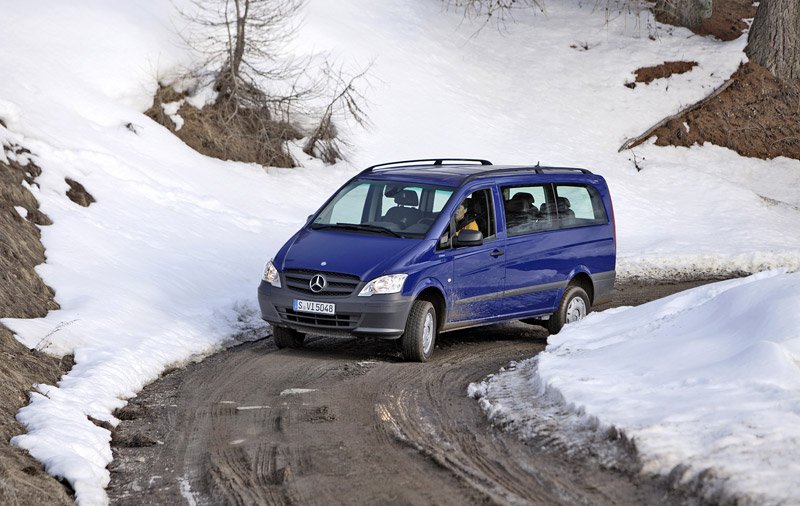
point(403, 214)
point(566, 214)
point(527, 197)
point(518, 212)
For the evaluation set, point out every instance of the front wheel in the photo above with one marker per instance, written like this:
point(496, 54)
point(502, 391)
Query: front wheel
point(420, 333)
point(574, 306)
point(287, 338)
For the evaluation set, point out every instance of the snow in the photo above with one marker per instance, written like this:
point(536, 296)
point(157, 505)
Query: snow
point(163, 268)
point(704, 379)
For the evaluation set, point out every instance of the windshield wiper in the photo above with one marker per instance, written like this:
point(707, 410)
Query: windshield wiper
point(356, 226)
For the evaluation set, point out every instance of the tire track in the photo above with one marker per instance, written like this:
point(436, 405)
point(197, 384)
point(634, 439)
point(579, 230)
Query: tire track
point(347, 422)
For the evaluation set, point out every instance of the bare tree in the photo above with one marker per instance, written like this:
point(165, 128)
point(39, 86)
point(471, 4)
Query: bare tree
point(347, 102)
point(243, 44)
point(262, 90)
point(492, 9)
point(499, 11)
point(774, 40)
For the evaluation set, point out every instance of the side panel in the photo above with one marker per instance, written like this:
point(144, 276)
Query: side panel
point(477, 285)
point(478, 281)
point(536, 271)
point(588, 228)
point(573, 235)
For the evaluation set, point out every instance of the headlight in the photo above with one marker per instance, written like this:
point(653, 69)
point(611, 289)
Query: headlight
point(392, 283)
point(271, 275)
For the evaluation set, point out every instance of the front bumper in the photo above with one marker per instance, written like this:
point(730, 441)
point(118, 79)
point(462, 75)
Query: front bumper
point(382, 316)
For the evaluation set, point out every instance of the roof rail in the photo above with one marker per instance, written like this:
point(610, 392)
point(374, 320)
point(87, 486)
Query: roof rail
point(537, 169)
point(437, 162)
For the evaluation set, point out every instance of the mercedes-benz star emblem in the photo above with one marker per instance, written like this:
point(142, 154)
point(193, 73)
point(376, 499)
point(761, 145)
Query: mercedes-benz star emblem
point(317, 283)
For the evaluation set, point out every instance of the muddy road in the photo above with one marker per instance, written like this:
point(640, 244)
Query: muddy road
point(345, 421)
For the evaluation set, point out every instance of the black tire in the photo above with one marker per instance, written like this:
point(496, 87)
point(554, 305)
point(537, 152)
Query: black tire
point(287, 338)
point(560, 317)
point(413, 340)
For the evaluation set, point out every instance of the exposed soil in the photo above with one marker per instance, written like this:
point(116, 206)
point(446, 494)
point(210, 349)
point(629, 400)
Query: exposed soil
point(756, 115)
point(345, 421)
point(215, 130)
point(647, 75)
point(727, 21)
point(22, 295)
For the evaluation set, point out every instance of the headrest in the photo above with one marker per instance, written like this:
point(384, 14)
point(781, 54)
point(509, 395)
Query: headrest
point(563, 201)
point(406, 198)
point(549, 208)
point(518, 206)
point(527, 197)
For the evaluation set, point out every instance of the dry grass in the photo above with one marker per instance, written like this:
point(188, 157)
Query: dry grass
point(22, 295)
point(227, 132)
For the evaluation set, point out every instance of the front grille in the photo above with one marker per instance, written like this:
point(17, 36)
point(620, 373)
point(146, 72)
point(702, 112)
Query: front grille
point(333, 321)
point(338, 285)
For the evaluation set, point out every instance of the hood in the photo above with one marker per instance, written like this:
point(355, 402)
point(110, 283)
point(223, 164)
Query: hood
point(364, 255)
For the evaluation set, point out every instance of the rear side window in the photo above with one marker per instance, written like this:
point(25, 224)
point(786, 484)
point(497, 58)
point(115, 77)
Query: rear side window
point(522, 205)
point(579, 205)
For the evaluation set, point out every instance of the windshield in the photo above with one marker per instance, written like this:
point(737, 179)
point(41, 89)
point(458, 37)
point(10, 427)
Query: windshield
point(384, 207)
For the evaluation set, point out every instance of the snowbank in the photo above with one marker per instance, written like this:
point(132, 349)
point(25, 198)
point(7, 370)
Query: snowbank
point(705, 382)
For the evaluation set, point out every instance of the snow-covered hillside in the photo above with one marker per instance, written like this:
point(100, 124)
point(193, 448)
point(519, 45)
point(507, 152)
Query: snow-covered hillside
point(164, 266)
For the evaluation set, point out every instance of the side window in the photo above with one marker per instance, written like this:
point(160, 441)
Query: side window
point(476, 212)
point(579, 205)
point(482, 210)
point(526, 209)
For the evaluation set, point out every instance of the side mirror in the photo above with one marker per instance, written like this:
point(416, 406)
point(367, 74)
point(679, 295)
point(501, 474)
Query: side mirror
point(309, 218)
point(468, 238)
point(444, 241)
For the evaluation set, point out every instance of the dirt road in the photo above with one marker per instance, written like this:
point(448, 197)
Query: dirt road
point(347, 422)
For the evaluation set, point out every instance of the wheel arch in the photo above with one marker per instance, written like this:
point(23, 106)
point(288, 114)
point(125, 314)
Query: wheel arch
point(435, 296)
point(580, 277)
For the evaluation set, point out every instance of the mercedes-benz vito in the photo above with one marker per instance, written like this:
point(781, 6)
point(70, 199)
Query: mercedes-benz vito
point(407, 250)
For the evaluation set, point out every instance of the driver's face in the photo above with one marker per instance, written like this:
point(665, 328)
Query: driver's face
point(460, 212)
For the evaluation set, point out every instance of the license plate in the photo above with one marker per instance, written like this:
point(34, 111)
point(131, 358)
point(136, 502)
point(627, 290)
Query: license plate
point(307, 306)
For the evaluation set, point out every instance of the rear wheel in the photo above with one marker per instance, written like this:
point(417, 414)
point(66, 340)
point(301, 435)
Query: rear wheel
point(420, 333)
point(287, 338)
point(574, 306)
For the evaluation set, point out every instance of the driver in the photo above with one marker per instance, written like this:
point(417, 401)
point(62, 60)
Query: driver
point(464, 222)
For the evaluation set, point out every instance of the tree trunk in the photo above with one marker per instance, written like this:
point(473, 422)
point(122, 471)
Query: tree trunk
point(688, 13)
point(774, 38)
point(241, 23)
point(228, 80)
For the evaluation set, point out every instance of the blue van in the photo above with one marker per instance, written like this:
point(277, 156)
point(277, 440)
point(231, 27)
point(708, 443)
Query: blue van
point(407, 250)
